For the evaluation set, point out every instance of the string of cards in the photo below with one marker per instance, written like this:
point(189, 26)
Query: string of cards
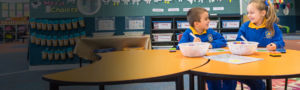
point(57, 37)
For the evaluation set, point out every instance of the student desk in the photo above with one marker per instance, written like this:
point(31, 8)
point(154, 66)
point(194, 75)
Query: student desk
point(129, 66)
point(285, 66)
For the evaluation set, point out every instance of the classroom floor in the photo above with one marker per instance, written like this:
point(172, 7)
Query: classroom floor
point(14, 73)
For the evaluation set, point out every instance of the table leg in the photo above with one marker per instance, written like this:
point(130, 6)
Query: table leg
point(201, 83)
point(286, 83)
point(23, 40)
point(179, 83)
point(54, 86)
point(242, 86)
point(269, 84)
point(80, 62)
point(192, 81)
point(101, 87)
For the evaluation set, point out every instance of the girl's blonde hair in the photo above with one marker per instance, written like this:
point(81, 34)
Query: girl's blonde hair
point(270, 16)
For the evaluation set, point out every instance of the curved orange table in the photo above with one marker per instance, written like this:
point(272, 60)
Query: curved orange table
point(127, 66)
point(271, 67)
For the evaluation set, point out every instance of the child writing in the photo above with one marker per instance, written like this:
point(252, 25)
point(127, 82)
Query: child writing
point(198, 19)
point(262, 29)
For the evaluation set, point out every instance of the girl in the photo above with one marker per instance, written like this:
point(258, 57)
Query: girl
point(261, 28)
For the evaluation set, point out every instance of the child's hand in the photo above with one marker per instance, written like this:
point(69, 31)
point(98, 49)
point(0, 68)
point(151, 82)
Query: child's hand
point(197, 40)
point(210, 46)
point(271, 47)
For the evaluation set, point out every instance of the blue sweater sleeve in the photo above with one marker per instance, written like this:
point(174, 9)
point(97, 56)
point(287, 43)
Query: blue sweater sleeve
point(241, 32)
point(277, 38)
point(218, 41)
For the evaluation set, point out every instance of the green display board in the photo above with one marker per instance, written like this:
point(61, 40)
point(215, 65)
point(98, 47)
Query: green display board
point(71, 8)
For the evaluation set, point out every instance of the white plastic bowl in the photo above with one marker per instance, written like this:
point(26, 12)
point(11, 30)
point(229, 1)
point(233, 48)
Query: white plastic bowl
point(194, 49)
point(242, 48)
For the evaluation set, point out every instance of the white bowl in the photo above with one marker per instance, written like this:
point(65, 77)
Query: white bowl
point(194, 49)
point(242, 48)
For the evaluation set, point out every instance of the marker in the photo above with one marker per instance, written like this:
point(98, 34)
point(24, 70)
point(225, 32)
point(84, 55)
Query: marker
point(246, 41)
point(172, 50)
point(275, 54)
point(193, 35)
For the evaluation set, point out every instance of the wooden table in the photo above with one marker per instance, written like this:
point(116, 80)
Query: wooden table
point(85, 47)
point(128, 66)
point(285, 66)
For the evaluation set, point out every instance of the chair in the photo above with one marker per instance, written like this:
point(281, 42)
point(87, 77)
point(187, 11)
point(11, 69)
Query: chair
point(179, 37)
point(287, 28)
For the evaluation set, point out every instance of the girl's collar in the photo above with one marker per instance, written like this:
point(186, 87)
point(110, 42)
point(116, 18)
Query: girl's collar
point(263, 25)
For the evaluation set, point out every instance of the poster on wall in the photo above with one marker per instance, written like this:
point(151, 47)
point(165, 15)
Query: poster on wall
point(12, 10)
point(26, 9)
point(53, 8)
point(4, 9)
point(19, 10)
point(135, 22)
point(105, 23)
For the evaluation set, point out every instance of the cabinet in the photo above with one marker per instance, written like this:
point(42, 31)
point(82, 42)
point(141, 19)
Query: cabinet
point(164, 30)
point(11, 32)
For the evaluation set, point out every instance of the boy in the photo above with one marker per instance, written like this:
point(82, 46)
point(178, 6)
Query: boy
point(199, 20)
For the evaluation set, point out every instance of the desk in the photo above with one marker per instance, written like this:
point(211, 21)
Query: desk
point(128, 66)
point(285, 66)
point(85, 47)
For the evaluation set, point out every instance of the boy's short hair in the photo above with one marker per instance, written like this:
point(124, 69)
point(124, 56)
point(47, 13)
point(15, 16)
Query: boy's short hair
point(194, 15)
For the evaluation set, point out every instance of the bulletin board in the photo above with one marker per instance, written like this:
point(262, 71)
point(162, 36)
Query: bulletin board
point(36, 50)
point(70, 8)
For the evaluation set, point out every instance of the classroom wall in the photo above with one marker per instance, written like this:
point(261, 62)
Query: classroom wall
point(70, 10)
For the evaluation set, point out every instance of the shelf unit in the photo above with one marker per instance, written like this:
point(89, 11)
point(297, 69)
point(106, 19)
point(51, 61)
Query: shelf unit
point(15, 32)
point(174, 30)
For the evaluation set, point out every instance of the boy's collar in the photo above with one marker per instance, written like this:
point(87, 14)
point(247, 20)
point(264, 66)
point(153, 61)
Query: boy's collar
point(196, 33)
point(263, 25)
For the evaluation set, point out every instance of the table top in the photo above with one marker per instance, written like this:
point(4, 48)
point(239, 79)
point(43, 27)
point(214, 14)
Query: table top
point(288, 65)
point(122, 66)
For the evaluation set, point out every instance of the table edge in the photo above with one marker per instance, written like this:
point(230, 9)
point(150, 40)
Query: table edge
point(152, 79)
point(243, 76)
